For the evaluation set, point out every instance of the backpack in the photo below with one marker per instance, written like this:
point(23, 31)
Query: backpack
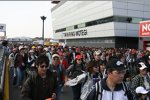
point(99, 91)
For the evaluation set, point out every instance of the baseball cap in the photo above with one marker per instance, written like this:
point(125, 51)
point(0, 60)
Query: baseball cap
point(78, 57)
point(142, 66)
point(115, 64)
point(33, 47)
point(77, 49)
point(55, 55)
point(141, 90)
point(21, 47)
point(97, 52)
point(46, 49)
point(31, 51)
point(148, 57)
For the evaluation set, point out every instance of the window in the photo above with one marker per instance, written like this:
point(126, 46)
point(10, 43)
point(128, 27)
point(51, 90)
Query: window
point(123, 19)
point(69, 28)
point(81, 25)
point(136, 20)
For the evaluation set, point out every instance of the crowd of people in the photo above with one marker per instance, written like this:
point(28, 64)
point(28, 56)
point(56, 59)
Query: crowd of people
point(41, 72)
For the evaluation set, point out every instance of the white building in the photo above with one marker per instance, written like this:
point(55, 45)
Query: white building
point(100, 23)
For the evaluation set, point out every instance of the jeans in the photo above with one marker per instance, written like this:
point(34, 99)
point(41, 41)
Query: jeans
point(58, 91)
point(76, 91)
point(19, 76)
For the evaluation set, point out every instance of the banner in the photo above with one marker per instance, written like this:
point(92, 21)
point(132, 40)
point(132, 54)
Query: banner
point(144, 29)
point(2, 27)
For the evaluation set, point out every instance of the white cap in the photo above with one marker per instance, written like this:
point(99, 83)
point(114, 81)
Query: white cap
point(46, 49)
point(31, 51)
point(55, 55)
point(143, 66)
point(21, 47)
point(98, 52)
point(141, 90)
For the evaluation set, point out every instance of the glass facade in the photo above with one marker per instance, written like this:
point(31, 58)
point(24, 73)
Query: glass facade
point(123, 19)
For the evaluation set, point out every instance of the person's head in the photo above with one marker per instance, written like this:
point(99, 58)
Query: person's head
point(121, 57)
point(142, 68)
point(97, 55)
point(83, 54)
point(141, 93)
point(115, 71)
point(42, 63)
point(78, 50)
point(55, 59)
point(61, 55)
point(33, 48)
point(78, 59)
point(102, 65)
point(92, 67)
point(31, 52)
point(148, 59)
point(5, 43)
point(14, 50)
point(21, 50)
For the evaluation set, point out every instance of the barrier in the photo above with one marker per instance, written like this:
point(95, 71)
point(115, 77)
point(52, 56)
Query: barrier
point(2, 71)
point(6, 81)
point(4, 75)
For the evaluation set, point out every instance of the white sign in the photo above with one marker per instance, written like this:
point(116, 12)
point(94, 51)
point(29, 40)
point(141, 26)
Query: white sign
point(41, 42)
point(2, 27)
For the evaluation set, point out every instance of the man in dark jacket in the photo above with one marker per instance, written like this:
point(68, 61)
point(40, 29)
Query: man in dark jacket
point(41, 84)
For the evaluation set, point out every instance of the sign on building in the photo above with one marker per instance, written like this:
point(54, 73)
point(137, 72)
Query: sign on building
point(144, 29)
point(2, 27)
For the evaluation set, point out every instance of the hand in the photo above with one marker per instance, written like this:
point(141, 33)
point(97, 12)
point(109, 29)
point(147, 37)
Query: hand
point(54, 96)
point(65, 85)
point(23, 64)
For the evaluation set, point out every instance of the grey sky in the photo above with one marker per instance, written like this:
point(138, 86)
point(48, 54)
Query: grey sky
point(22, 18)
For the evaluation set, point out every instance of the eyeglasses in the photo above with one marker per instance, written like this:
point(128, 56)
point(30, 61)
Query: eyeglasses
point(42, 66)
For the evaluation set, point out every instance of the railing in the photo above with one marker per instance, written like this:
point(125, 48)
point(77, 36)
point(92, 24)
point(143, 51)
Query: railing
point(4, 85)
point(2, 73)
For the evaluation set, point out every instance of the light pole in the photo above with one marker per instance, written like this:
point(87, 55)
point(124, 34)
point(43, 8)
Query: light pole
point(43, 18)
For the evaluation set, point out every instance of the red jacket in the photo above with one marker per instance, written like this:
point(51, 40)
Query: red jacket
point(65, 63)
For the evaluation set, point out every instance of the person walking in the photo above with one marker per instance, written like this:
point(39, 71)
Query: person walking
point(92, 77)
point(60, 73)
point(112, 87)
point(41, 84)
point(74, 70)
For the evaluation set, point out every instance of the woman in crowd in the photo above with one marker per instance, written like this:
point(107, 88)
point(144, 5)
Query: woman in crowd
point(74, 70)
point(93, 76)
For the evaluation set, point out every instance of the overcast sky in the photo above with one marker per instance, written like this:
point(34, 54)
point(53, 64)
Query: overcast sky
point(22, 18)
